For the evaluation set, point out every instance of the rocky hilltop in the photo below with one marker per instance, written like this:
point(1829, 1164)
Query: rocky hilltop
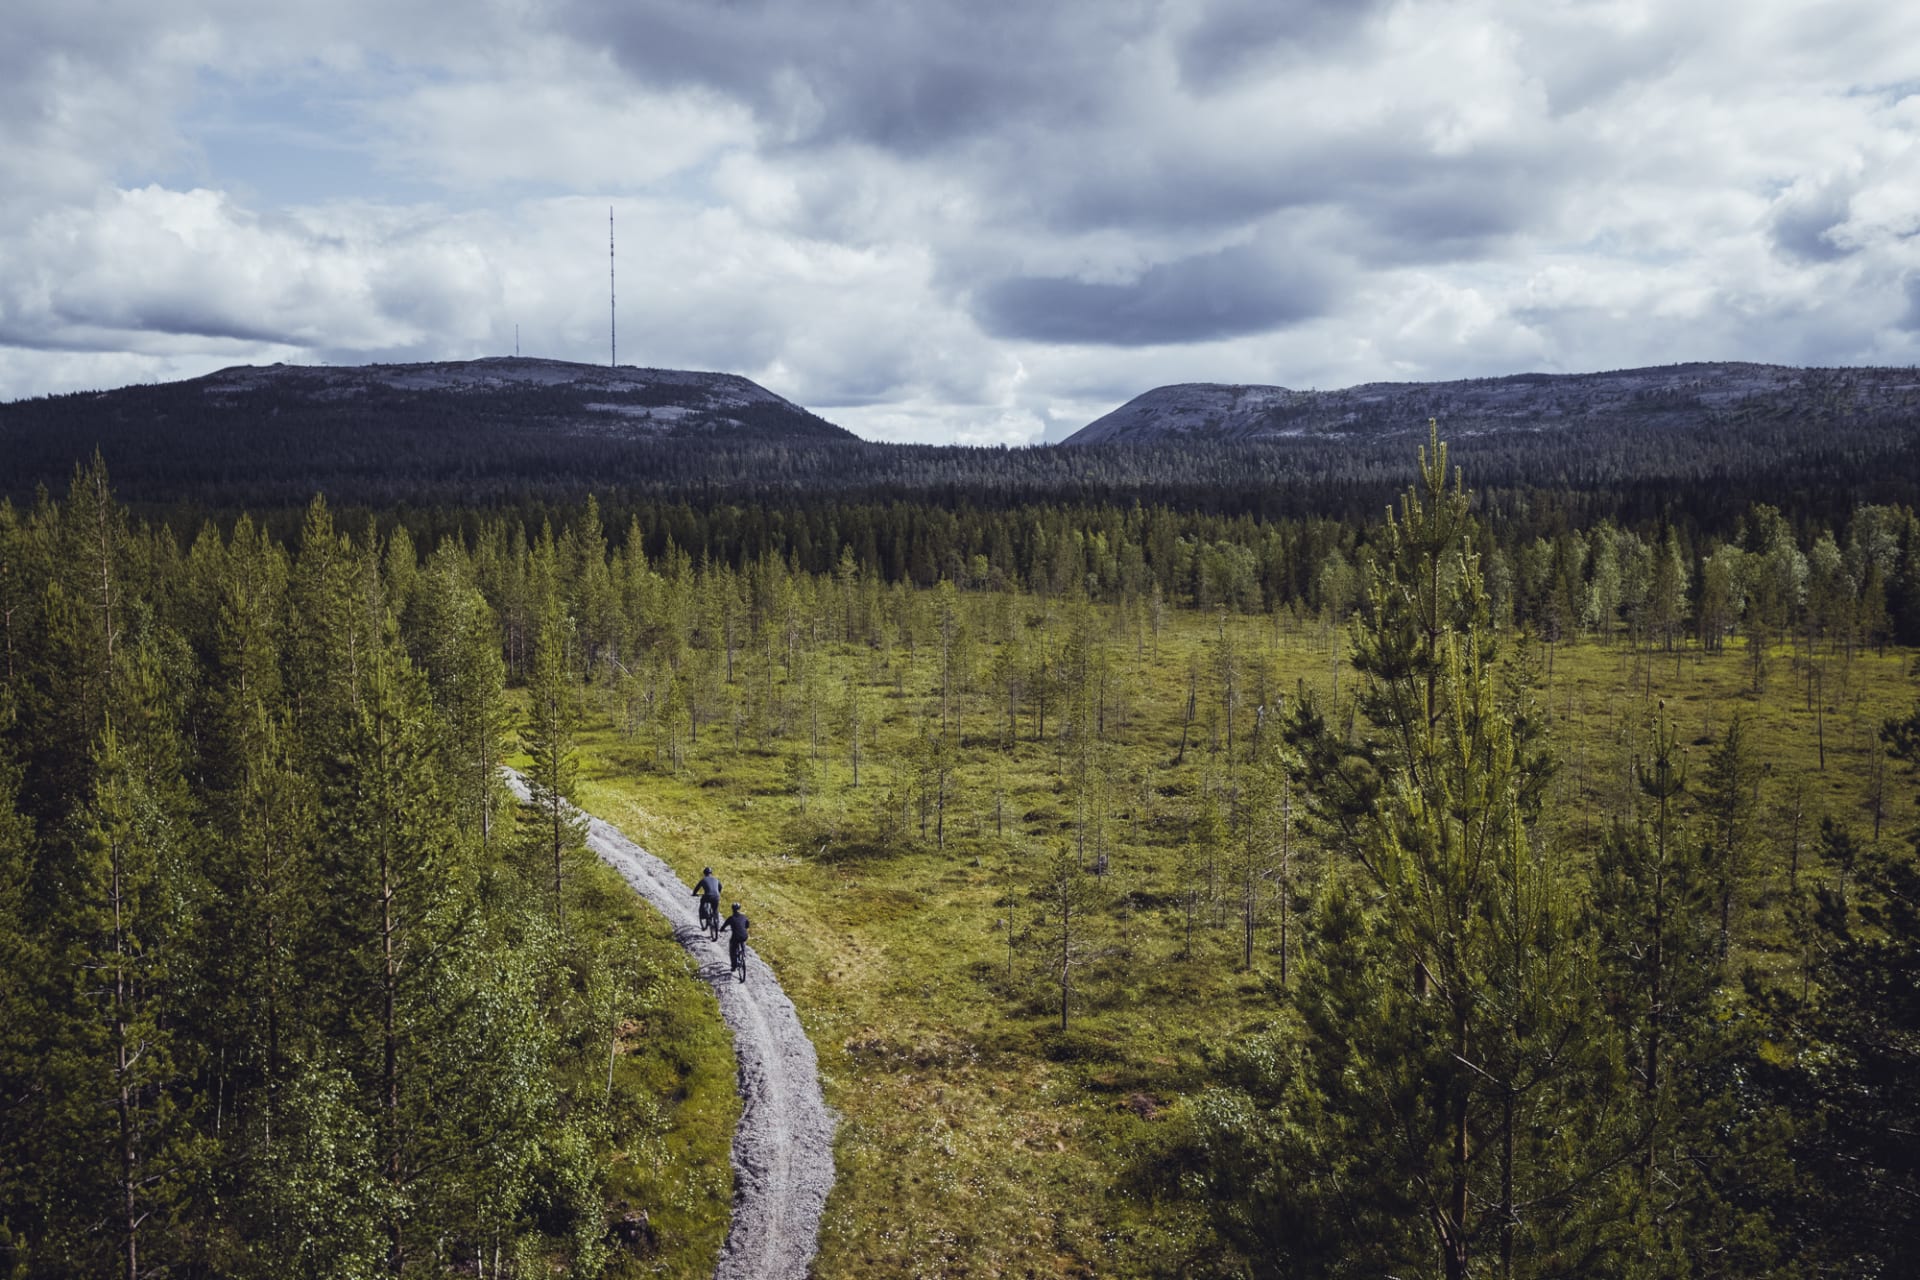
point(1674, 396)
point(475, 430)
point(553, 394)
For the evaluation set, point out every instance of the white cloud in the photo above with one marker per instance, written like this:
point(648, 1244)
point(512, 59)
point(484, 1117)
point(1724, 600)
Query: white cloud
point(550, 127)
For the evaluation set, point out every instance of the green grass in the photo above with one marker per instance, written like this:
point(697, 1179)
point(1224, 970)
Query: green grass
point(979, 1140)
point(675, 1072)
point(675, 1101)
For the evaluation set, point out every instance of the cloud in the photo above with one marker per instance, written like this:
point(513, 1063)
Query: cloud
point(907, 78)
point(552, 129)
point(961, 220)
point(1910, 318)
point(1215, 295)
point(152, 268)
point(1804, 223)
point(1229, 39)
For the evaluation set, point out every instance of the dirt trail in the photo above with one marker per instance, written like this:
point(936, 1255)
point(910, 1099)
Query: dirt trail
point(783, 1149)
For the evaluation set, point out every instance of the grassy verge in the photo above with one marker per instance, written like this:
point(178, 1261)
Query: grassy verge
point(675, 1069)
point(674, 1101)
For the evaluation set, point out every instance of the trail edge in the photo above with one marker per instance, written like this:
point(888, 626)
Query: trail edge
point(783, 1147)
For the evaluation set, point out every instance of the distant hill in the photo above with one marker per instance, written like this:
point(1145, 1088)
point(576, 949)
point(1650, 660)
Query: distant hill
point(1672, 397)
point(1700, 440)
point(388, 430)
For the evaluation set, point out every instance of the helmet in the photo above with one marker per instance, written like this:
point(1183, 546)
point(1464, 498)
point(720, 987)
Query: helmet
point(736, 906)
point(706, 871)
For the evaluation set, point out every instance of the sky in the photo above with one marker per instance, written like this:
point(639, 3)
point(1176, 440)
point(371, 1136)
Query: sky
point(987, 221)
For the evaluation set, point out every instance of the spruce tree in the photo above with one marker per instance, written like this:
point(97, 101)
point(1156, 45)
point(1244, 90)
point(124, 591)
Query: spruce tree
point(460, 653)
point(555, 828)
point(124, 941)
point(23, 1131)
point(383, 972)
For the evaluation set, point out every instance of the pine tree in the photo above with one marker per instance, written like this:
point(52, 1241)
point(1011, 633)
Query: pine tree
point(1730, 799)
point(1852, 1078)
point(1439, 1022)
point(329, 631)
point(1068, 902)
point(1651, 898)
point(1266, 858)
point(855, 719)
point(591, 597)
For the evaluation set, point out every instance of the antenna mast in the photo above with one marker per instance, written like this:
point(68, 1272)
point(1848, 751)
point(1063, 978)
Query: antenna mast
point(613, 336)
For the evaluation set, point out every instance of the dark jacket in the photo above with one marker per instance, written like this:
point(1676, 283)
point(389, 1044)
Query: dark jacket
point(708, 888)
point(736, 924)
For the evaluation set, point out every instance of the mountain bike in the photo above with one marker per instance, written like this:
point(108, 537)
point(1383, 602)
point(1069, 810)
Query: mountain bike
point(740, 965)
point(710, 920)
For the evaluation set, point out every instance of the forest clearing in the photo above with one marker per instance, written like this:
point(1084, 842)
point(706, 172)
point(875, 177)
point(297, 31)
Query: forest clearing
point(989, 1139)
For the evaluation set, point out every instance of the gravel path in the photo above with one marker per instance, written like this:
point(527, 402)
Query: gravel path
point(783, 1149)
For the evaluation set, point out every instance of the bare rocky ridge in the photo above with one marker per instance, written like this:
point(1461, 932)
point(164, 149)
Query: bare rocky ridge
point(783, 1148)
point(582, 397)
point(1681, 395)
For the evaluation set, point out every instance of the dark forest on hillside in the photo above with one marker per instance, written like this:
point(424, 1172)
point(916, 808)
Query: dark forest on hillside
point(175, 446)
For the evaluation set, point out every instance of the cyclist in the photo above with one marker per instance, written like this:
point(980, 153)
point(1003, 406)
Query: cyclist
point(736, 924)
point(708, 891)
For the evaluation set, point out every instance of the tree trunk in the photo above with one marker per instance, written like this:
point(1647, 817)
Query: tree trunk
point(1286, 866)
point(123, 1069)
point(1506, 1183)
point(1066, 953)
point(1456, 1230)
point(559, 905)
point(391, 1053)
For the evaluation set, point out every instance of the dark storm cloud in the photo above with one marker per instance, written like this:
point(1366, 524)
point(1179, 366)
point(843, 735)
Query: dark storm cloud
point(1232, 37)
point(1063, 119)
point(160, 325)
point(1910, 320)
point(1448, 213)
point(1216, 295)
point(1803, 225)
point(914, 77)
point(186, 317)
point(194, 318)
point(1390, 199)
point(906, 77)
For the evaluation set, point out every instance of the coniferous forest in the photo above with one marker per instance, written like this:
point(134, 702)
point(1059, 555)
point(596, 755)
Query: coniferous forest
point(1520, 884)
